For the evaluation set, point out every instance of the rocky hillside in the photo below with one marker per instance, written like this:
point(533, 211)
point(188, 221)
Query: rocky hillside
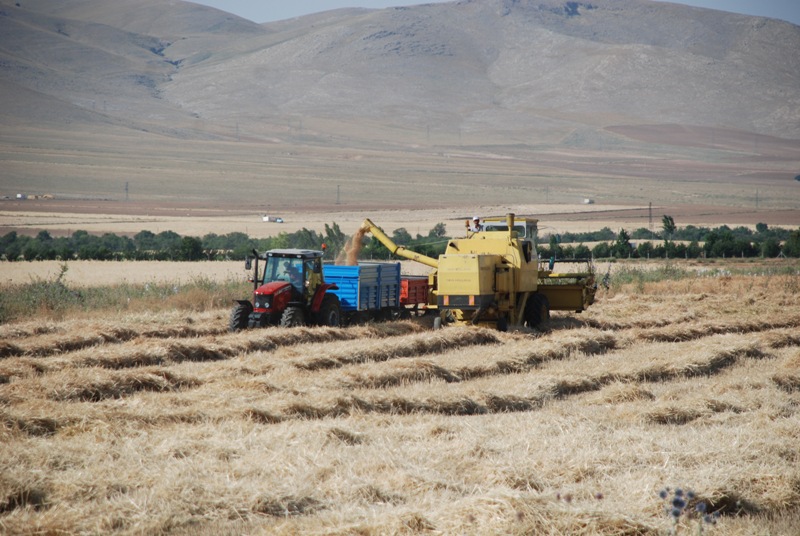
point(465, 72)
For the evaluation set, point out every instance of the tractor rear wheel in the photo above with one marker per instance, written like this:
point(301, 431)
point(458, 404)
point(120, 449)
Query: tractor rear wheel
point(537, 310)
point(293, 316)
point(239, 316)
point(330, 312)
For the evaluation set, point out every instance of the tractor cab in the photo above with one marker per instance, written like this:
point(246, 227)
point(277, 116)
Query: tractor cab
point(289, 290)
point(302, 269)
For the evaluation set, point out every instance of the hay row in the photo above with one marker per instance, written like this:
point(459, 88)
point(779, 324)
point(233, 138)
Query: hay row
point(17, 496)
point(142, 353)
point(606, 324)
point(32, 426)
point(116, 335)
point(114, 385)
point(683, 333)
point(412, 345)
point(491, 401)
point(592, 343)
point(271, 338)
point(17, 332)
point(788, 379)
point(56, 342)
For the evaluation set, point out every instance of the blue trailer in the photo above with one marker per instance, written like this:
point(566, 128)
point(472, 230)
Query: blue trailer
point(367, 291)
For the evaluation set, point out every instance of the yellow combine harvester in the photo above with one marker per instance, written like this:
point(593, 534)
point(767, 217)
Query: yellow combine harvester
point(493, 277)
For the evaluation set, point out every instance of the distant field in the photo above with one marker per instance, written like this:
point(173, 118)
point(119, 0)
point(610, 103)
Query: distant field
point(61, 218)
point(93, 273)
point(164, 423)
point(108, 184)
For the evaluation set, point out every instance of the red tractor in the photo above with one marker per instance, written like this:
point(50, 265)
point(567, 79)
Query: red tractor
point(289, 291)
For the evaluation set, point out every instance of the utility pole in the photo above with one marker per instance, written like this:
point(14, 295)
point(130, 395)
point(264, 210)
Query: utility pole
point(126, 190)
point(338, 198)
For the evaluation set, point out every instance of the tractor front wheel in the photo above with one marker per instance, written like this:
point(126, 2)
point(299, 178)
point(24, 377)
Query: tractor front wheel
point(239, 316)
point(292, 317)
point(330, 312)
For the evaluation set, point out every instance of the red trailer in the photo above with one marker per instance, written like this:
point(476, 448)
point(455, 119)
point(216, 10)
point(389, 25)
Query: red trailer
point(414, 291)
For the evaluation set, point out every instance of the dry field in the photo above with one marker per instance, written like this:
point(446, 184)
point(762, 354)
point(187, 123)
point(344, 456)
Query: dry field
point(89, 273)
point(98, 217)
point(164, 423)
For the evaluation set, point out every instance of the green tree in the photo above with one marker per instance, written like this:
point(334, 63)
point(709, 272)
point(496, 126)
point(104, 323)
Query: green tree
point(622, 247)
point(645, 250)
point(191, 249)
point(44, 236)
point(668, 225)
point(770, 248)
point(791, 248)
point(601, 251)
point(694, 250)
point(145, 241)
point(555, 247)
point(401, 236)
point(582, 252)
point(335, 239)
point(305, 239)
point(438, 231)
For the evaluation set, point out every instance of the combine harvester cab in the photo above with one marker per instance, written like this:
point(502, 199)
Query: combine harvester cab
point(492, 277)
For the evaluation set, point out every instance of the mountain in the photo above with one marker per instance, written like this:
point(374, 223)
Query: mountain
point(524, 75)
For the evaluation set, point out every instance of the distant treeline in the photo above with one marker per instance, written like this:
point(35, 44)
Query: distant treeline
point(689, 242)
point(171, 246)
point(672, 242)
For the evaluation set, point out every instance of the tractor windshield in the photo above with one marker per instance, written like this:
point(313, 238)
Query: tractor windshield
point(284, 269)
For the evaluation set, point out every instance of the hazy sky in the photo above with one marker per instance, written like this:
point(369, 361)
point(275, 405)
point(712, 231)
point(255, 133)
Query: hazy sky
point(270, 10)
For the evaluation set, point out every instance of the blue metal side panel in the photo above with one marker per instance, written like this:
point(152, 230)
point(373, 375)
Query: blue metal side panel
point(368, 286)
point(390, 284)
point(346, 278)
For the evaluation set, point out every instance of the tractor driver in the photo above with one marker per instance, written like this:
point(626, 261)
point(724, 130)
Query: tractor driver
point(295, 276)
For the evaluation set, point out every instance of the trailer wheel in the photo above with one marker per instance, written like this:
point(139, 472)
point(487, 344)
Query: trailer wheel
point(293, 316)
point(330, 312)
point(437, 323)
point(537, 310)
point(239, 316)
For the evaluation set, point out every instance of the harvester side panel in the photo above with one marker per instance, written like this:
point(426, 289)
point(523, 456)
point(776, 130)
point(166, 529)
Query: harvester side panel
point(568, 293)
point(467, 281)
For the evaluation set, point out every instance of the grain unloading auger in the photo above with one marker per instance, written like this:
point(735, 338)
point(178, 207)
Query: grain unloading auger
point(492, 277)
